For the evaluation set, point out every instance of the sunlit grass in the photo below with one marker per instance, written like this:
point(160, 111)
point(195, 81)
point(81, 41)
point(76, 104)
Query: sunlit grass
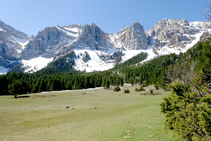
point(44, 117)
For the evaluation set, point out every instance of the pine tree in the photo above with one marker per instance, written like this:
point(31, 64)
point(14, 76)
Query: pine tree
point(15, 88)
point(107, 83)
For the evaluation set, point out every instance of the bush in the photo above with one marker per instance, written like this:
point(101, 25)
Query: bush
point(116, 89)
point(140, 89)
point(187, 113)
point(156, 87)
point(126, 91)
point(145, 84)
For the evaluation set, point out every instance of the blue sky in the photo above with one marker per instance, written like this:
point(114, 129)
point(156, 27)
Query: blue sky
point(31, 16)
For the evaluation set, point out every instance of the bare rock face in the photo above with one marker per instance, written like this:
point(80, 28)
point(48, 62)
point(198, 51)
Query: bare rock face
point(7, 52)
point(166, 28)
point(159, 45)
point(174, 32)
point(57, 41)
point(7, 63)
point(10, 39)
point(50, 40)
point(132, 37)
point(42, 42)
point(86, 57)
point(89, 37)
point(10, 45)
point(205, 36)
point(174, 39)
point(11, 31)
point(94, 37)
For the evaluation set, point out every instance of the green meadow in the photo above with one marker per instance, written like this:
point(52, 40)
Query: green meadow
point(118, 117)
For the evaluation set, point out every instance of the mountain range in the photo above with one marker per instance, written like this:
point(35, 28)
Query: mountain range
point(88, 48)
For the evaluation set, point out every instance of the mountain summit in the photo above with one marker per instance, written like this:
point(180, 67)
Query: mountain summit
point(94, 49)
point(132, 37)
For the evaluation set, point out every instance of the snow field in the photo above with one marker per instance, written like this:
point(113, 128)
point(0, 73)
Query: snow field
point(36, 64)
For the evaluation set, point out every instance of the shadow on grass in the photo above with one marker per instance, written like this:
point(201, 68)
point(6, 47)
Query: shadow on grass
point(23, 96)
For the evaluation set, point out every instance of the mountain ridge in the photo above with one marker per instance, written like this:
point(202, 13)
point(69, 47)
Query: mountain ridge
point(166, 36)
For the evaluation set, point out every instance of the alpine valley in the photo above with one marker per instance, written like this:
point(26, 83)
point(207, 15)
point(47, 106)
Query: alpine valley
point(88, 48)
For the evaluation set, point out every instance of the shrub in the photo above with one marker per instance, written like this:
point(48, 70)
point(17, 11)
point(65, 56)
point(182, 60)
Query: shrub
point(116, 89)
point(145, 84)
point(156, 87)
point(187, 113)
point(126, 91)
point(140, 89)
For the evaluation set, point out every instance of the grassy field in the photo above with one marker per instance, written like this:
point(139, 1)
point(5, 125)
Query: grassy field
point(44, 117)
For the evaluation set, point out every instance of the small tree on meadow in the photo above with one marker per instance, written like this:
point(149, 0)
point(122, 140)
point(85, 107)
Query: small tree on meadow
point(15, 88)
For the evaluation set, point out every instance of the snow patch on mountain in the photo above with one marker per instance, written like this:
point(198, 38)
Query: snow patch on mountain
point(22, 42)
point(95, 64)
point(35, 64)
point(150, 54)
point(73, 29)
point(2, 30)
point(3, 70)
point(200, 24)
point(69, 31)
point(197, 38)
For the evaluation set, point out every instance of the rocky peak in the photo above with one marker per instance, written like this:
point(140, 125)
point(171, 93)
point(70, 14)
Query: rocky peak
point(94, 37)
point(74, 26)
point(11, 31)
point(45, 38)
point(170, 26)
point(92, 29)
point(58, 41)
point(48, 41)
point(132, 37)
point(137, 29)
point(175, 33)
point(183, 22)
point(136, 24)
